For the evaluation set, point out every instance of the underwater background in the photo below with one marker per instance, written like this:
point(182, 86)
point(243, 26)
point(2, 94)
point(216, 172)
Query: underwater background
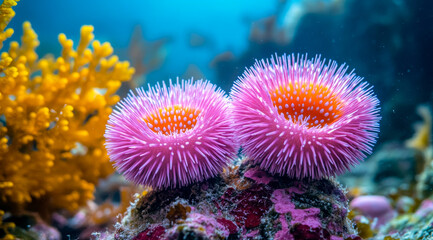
point(388, 43)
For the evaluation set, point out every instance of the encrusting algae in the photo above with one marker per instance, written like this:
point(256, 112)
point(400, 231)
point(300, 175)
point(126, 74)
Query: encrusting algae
point(52, 119)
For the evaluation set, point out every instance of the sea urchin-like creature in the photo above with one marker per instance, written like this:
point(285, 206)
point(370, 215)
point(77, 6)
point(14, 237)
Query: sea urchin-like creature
point(302, 118)
point(172, 135)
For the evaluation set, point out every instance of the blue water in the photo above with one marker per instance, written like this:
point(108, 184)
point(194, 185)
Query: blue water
point(224, 22)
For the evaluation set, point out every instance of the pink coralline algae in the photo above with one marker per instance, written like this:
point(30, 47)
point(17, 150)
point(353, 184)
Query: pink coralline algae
point(171, 136)
point(306, 221)
point(237, 207)
point(258, 175)
point(204, 227)
point(304, 118)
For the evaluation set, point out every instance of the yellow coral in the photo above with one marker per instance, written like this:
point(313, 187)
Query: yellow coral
point(107, 211)
point(6, 14)
point(421, 140)
point(5, 227)
point(52, 118)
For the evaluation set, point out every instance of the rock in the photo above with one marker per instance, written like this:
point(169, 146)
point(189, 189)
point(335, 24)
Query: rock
point(242, 203)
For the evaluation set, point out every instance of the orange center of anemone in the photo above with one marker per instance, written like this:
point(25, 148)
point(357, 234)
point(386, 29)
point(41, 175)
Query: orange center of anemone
point(172, 119)
point(315, 105)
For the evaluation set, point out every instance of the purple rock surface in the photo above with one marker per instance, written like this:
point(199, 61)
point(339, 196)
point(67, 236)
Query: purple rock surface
point(242, 203)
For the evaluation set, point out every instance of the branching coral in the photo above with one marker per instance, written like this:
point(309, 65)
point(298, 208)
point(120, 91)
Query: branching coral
point(6, 14)
point(52, 118)
point(5, 227)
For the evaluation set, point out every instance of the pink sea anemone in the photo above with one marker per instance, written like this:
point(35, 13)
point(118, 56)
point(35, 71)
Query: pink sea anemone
point(171, 136)
point(304, 118)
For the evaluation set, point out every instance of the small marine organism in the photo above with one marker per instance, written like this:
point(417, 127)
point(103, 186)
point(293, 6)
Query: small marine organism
point(171, 136)
point(374, 207)
point(304, 118)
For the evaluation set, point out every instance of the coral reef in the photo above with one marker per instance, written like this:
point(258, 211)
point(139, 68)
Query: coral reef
point(53, 111)
point(392, 166)
point(401, 175)
point(101, 213)
point(181, 136)
point(6, 14)
point(233, 206)
point(304, 118)
point(417, 225)
point(397, 167)
point(172, 135)
point(52, 120)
